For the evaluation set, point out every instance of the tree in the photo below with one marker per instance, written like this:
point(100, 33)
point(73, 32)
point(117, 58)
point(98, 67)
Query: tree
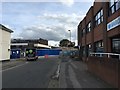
point(64, 43)
point(72, 44)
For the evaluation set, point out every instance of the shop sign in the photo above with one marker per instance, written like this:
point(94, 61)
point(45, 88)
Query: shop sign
point(113, 24)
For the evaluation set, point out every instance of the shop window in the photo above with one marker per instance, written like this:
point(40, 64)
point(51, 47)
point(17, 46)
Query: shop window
point(99, 17)
point(114, 5)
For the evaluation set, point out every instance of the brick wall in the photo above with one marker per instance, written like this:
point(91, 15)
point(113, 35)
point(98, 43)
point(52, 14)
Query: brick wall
point(107, 69)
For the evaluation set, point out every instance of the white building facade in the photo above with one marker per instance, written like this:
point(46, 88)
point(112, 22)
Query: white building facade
point(5, 40)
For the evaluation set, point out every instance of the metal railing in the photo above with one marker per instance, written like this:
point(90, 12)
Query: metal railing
point(109, 55)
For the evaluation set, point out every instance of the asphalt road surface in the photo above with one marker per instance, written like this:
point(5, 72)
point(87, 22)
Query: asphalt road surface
point(31, 74)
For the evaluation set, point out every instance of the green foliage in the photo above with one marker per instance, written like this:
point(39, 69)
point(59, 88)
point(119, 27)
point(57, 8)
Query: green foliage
point(66, 43)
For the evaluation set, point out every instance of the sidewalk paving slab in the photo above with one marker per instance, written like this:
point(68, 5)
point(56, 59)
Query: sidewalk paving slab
point(74, 74)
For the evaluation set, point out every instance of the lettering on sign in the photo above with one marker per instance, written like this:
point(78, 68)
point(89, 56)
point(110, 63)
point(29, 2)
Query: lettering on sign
point(113, 24)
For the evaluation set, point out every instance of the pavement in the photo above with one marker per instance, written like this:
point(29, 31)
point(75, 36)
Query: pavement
point(74, 74)
point(12, 63)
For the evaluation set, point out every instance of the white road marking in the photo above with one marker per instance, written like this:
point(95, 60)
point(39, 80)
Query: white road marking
point(58, 71)
point(14, 67)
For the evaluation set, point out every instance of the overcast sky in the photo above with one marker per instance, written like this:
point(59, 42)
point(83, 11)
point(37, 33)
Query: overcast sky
point(47, 20)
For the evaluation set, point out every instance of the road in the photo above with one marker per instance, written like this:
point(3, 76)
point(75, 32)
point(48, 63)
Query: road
point(40, 73)
point(30, 74)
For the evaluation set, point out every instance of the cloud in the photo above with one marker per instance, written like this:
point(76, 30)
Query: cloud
point(67, 2)
point(63, 19)
point(54, 28)
point(53, 43)
point(54, 33)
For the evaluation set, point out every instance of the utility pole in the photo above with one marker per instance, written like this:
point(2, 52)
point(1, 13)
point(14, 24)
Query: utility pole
point(70, 34)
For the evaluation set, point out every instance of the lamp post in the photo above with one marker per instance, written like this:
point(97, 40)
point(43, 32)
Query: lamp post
point(70, 38)
point(70, 35)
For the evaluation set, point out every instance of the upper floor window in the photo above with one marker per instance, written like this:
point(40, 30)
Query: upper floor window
point(114, 5)
point(88, 27)
point(83, 32)
point(99, 17)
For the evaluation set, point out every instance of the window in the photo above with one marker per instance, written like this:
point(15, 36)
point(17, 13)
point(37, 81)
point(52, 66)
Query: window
point(99, 17)
point(84, 53)
point(99, 46)
point(88, 49)
point(83, 32)
point(116, 45)
point(88, 27)
point(114, 5)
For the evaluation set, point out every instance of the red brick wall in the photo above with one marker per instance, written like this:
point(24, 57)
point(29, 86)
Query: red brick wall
point(83, 24)
point(114, 31)
point(97, 7)
point(88, 19)
point(89, 15)
point(83, 41)
point(89, 38)
point(98, 32)
point(106, 68)
point(113, 16)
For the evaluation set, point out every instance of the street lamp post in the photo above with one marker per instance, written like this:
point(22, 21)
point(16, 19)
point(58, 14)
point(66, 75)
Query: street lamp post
point(70, 35)
point(70, 38)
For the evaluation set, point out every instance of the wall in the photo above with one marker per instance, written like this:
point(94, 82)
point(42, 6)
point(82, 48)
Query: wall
point(89, 18)
point(5, 45)
point(108, 69)
point(43, 52)
point(0, 44)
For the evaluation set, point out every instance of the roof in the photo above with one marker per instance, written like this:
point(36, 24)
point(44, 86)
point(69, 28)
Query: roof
point(5, 28)
point(26, 44)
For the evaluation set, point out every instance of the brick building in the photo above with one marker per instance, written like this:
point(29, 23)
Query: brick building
point(99, 31)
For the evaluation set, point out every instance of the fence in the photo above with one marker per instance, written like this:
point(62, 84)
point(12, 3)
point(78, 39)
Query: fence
point(109, 55)
point(43, 52)
point(16, 53)
point(106, 67)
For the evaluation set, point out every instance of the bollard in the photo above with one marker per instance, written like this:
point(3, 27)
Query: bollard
point(46, 56)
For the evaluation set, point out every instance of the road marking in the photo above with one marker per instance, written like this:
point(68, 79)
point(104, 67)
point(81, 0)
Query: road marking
point(58, 71)
point(14, 67)
point(73, 78)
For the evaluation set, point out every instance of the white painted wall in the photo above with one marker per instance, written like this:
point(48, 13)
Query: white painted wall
point(5, 45)
point(0, 44)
